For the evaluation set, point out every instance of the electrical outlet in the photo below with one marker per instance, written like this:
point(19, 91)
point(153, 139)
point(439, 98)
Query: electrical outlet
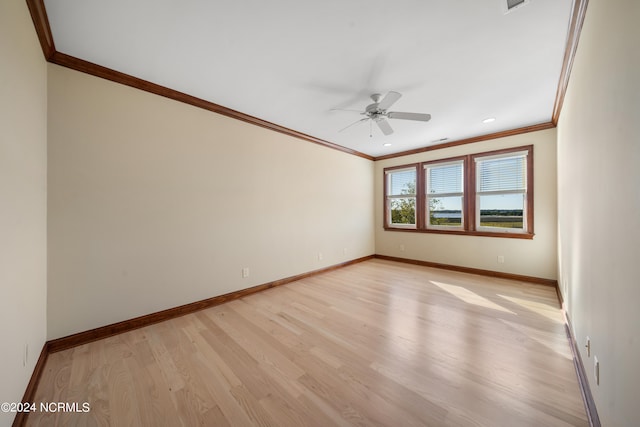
point(344, 251)
point(319, 256)
point(401, 248)
point(245, 272)
point(596, 369)
point(500, 259)
point(588, 346)
point(25, 355)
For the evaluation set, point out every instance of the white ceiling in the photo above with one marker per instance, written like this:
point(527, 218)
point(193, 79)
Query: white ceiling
point(290, 61)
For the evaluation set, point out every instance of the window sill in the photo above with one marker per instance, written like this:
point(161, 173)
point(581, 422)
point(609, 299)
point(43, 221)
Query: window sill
point(526, 236)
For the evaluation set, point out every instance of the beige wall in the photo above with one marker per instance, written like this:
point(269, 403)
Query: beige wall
point(599, 204)
point(23, 155)
point(535, 257)
point(154, 204)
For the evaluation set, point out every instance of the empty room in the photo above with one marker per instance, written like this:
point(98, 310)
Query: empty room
point(319, 213)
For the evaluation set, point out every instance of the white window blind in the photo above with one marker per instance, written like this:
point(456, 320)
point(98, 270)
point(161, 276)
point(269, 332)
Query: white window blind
point(502, 174)
point(445, 179)
point(501, 187)
point(445, 194)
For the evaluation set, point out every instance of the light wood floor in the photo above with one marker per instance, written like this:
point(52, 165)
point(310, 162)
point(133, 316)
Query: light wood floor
point(376, 343)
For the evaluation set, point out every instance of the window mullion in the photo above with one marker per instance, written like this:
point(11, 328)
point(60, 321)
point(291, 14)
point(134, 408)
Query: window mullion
point(402, 196)
point(470, 190)
point(499, 192)
point(420, 198)
point(436, 195)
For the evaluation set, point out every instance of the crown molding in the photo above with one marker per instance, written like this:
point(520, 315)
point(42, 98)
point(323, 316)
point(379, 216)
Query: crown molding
point(487, 137)
point(573, 36)
point(41, 23)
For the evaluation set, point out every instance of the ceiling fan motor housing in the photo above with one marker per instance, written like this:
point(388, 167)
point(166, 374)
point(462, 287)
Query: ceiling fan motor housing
point(372, 110)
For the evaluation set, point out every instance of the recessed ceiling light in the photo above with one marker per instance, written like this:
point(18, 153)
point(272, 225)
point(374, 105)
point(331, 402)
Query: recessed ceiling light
point(440, 140)
point(489, 120)
point(387, 144)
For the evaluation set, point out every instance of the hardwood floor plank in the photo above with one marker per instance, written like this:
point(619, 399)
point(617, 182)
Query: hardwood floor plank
point(164, 411)
point(230, 409)
point(378, 343)
point(122, 398)
point(252, 407)
point(325, 393)
point(149, 409)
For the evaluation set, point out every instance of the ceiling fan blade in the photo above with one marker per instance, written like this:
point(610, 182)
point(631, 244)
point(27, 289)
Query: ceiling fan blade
point(389, 100)
point(384, 126)
point(409, 116)
point(354, 123)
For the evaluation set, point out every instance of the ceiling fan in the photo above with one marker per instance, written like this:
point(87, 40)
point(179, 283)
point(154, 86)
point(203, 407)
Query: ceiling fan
point(377, 112)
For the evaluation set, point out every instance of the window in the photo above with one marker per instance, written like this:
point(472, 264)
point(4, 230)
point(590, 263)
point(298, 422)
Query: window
point(485, 194)
point(501, 192)
point(445, 194)
point(400, 204)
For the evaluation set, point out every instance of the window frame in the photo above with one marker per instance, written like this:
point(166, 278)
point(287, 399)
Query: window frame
point(469, 198)
point(425, 168)
point(387, 206)
point(478, 158)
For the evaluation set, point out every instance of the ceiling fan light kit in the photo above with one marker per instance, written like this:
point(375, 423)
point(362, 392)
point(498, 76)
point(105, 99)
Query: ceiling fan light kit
point(377, 112)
